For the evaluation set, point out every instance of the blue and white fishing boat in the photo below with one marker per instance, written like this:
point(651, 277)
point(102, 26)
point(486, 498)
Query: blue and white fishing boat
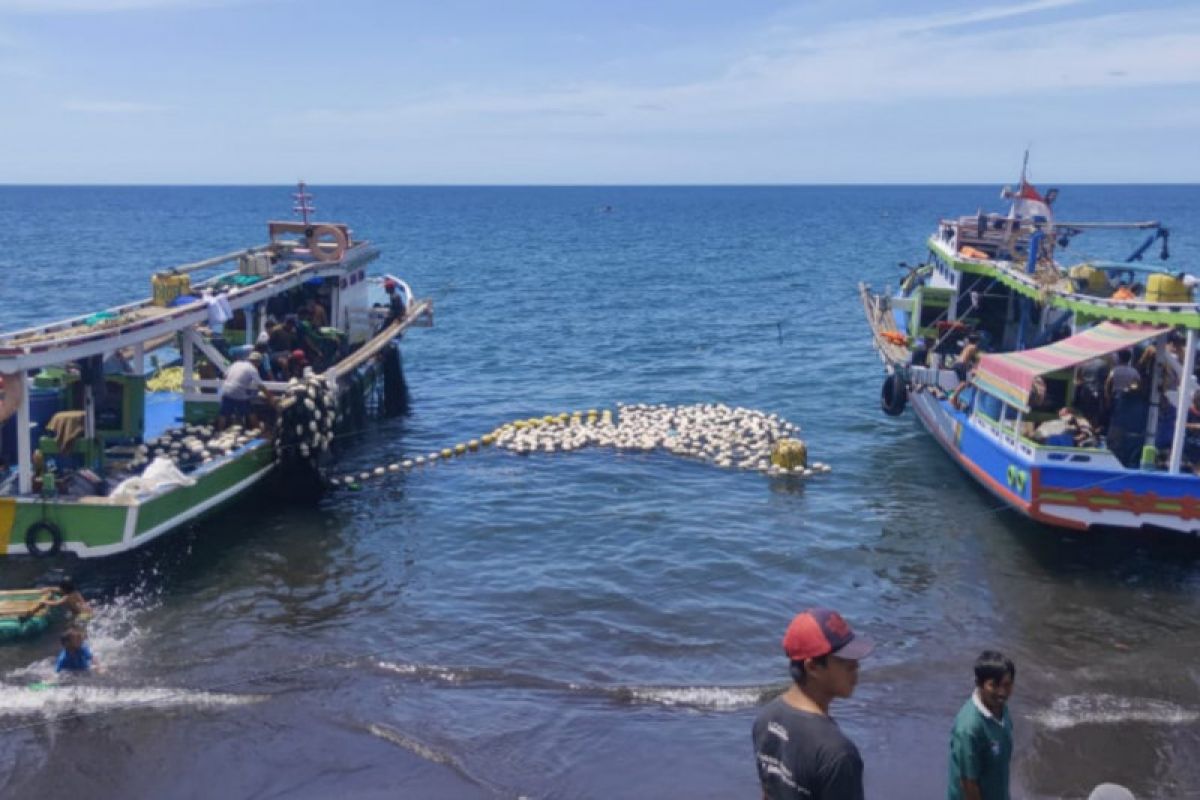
point(1001, 350)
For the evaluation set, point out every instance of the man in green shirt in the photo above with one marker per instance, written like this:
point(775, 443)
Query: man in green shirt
point(981, 742)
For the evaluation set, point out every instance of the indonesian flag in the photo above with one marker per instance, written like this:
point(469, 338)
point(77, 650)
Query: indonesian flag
point(1028, 203)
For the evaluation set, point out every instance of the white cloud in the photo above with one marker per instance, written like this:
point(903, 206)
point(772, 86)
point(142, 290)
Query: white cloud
point(931, 59)
point(110, 107)
point(961, 18)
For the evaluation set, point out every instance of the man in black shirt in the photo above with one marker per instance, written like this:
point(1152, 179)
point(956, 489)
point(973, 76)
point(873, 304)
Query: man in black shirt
point(396, 304)
point(801, 752)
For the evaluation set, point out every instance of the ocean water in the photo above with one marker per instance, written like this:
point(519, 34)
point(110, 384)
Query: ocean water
point(594, 624)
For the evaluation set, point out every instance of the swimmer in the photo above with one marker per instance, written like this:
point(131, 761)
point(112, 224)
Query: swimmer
point(76, 656)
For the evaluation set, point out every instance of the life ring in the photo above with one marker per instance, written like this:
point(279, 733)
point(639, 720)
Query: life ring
point(32, 534)
point(893, 396)
point(312, 237)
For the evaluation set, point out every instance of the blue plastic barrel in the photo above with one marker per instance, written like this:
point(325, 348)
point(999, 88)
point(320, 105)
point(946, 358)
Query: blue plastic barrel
point(43, 404)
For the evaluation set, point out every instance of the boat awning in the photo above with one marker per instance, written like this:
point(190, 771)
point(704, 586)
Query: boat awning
point(1010, 376)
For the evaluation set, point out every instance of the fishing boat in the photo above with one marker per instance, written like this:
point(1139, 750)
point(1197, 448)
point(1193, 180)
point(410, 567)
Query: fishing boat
point(1001, 349)
point(97, 464)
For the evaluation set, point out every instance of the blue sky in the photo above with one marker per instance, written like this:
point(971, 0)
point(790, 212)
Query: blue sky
point(533, 91)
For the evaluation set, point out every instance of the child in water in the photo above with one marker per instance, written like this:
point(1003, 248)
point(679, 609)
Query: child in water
point(76, 656)
point(69, 597)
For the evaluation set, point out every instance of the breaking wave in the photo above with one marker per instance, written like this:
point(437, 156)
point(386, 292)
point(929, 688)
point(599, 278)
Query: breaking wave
point(706, 698)
point(1106, 709)
point(65, 700)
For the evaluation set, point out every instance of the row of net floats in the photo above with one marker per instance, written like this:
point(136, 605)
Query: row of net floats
point(789, 457)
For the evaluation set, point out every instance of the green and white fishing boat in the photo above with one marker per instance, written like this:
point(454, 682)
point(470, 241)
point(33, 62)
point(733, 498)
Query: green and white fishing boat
point(80, 428)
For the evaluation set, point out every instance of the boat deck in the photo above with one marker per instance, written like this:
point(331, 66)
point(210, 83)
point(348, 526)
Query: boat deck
point(141, 321)
point(883, 322)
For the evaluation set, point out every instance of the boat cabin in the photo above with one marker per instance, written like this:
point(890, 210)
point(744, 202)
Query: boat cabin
point(1046, 398)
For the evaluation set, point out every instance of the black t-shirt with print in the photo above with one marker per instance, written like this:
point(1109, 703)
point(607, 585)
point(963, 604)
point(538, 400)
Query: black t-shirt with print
point(805, 756)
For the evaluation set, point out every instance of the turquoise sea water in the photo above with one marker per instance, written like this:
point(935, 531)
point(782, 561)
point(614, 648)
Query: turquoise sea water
point(595, 624)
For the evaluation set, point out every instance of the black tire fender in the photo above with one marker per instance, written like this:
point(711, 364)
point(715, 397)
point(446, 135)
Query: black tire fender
point(894, 395)
point(33, 534)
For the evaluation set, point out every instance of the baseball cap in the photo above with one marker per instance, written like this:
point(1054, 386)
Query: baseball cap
point(820, 632)
point(299, 355)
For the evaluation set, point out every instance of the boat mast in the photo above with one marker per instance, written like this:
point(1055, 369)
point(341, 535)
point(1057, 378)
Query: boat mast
point(1183, 401)
point(303, 202)
point(24, 445)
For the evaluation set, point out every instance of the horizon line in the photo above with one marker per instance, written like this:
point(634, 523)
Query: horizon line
point(717, 185)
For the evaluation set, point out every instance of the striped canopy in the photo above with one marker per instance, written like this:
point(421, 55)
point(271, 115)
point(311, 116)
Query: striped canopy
point(1011, 375)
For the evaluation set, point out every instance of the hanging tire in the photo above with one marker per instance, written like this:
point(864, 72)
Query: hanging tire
point(34, 532)
point(894, 395)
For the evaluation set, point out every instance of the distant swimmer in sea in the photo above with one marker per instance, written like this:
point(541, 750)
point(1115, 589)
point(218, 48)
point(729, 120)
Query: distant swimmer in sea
point(69, 598)
point(800, 750)
point(76, 656)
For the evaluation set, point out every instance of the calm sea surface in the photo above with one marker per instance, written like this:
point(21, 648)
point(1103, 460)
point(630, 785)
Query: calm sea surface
point(594, 625)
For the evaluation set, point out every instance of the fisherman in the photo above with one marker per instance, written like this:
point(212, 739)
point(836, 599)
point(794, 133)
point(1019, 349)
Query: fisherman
point(296, 364)
point(284, 337)
point(316, 313)
point(69, 598)
point(1127, 424)
point(75, 656)
point(396, 305)
point(242, 383)
point(981, 741)
point(264, 361)
point(800, 750)
point(1120, 378)
point(1164, 433)
point(1090, 380)
point(968, 357)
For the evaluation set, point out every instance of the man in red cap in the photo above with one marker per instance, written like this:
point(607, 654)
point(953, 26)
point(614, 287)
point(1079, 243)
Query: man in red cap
point(297, 361)
point(801, 751)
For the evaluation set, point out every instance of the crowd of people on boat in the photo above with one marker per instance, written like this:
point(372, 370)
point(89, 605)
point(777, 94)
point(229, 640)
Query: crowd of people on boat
point(801, 752)
point(1111, 406)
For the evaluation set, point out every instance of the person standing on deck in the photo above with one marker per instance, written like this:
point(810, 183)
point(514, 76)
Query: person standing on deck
point(242, 382)
point(800, 751)
point(968, 357)
point(396, 305)
point(1127, 424)
point(317, 313)
point(981, 741)
point(1120, 378)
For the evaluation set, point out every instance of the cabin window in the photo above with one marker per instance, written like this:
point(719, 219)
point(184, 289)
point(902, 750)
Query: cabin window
point(989, 406)
point(1008, 416)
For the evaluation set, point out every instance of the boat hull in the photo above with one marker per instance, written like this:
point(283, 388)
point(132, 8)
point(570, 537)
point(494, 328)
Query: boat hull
point(1063, 487)
point(100, 526)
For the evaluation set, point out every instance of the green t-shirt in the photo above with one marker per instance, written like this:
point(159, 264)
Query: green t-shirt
point(980, 750)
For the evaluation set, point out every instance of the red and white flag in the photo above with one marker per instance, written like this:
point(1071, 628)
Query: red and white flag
point(1028, 203)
